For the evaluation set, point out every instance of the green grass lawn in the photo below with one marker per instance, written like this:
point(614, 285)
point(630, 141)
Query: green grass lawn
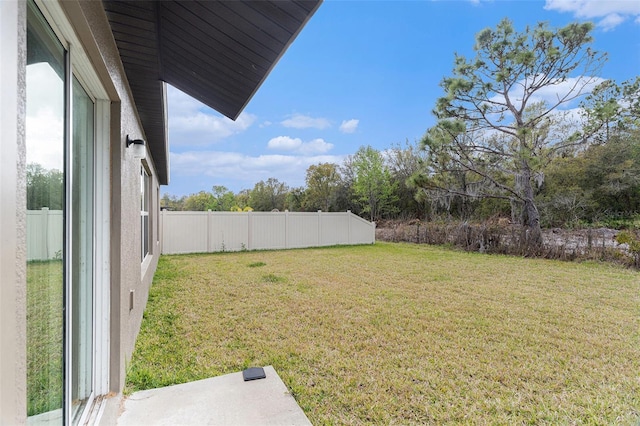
point(44, 336)
point(400, 333)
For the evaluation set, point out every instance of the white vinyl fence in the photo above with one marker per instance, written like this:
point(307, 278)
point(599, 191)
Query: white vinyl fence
point(44, 233)
point(199, 232)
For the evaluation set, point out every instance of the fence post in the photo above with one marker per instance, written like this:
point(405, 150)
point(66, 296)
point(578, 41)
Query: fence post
point(250, 230)
point(349, 226)
point(45, 235)
point(319, 228)
point(286, 229)
point(209, 248)
point(161, 236)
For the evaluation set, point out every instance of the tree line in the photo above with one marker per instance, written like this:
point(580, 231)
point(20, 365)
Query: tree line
point(370, 183)
point(599, 184)
point(501, 146)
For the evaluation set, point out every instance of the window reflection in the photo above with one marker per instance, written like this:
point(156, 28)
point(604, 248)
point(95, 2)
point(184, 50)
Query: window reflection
point(144, 211)
point(45, 218)
point(82, 225)
point(60, 241)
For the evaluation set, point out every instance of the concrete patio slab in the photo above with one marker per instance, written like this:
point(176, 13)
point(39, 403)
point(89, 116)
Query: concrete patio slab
point(223, 400)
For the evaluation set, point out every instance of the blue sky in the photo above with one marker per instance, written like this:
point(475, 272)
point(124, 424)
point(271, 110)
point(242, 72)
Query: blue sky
point(363, 73)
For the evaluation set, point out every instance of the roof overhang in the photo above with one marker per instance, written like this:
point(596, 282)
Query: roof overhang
point(218, 52)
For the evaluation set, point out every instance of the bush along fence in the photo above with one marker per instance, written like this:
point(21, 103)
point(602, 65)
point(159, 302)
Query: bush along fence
point(205, 232)
point(600, 244)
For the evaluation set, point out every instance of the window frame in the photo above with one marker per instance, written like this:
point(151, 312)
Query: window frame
point(79, 66)
point(145, 208)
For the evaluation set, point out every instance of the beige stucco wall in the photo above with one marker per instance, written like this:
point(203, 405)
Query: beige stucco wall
point(13, 259)
point(127, 272)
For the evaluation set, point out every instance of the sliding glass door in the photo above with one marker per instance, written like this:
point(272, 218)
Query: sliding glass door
point(46, 248)
point(60, 140)
point(82, 248)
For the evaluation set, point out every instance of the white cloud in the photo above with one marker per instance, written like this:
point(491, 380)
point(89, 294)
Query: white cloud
point(316, 146)
point(570, 114)
point(611, 12)
point(349, 126)
point(296, 145)
point(284, 143)
point(300, 121)
point(245, 169)
point(553, 92)
point(192, 123)
point(45, 137)
point(180, 103)
point(44, 121)
point(203, 128)
point(611, 21)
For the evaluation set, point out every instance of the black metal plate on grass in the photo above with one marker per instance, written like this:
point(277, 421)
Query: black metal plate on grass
point(253, 373)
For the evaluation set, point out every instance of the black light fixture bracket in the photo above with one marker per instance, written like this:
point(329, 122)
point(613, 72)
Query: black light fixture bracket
point(134, 141)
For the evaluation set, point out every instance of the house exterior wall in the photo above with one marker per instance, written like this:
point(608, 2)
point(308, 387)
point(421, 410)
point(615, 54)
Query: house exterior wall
point(13, 258)
point(127, 272)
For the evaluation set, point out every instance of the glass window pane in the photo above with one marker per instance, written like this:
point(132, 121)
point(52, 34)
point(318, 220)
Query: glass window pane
point(81, 250)
point(145, 193)
point(45, 219)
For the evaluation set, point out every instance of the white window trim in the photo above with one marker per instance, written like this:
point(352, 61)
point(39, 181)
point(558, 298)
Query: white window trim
point(145, 195)
point(103, 248)
point(80, 62)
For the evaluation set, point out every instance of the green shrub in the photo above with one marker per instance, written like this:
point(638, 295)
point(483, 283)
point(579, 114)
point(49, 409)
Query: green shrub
point(633, 241)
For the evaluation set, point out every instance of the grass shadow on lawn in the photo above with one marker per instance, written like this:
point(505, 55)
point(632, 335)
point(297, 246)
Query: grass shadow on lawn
point(399, 333)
